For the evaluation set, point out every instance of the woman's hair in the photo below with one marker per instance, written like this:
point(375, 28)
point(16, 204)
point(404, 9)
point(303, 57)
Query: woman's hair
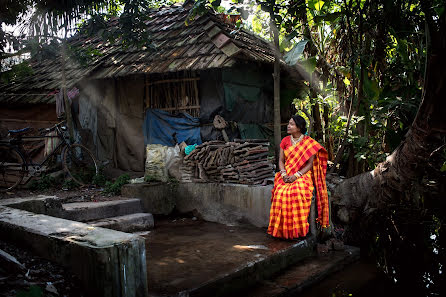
point(301, 123)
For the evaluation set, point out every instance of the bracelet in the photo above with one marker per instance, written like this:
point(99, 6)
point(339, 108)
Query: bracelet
point(298, 174)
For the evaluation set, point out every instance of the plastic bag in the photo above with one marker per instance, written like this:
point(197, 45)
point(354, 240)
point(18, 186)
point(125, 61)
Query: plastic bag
point(173, 161)
point(190, 148)
point(156, 162)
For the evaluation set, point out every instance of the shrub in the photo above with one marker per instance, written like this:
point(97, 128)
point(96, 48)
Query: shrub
point(115, 188)
point(43, 183)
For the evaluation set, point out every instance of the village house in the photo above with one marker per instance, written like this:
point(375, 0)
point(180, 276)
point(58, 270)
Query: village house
point(167, 93)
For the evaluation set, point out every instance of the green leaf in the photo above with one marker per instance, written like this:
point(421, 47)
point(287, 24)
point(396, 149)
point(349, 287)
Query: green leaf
point(294, 54)
point(371, 88)
point(309, 64)
point(346, 81)
point(443, 168)
point(330, 17)
point(318, 5)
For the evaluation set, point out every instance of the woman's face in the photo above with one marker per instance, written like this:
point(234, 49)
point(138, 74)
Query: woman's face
point(292, 127)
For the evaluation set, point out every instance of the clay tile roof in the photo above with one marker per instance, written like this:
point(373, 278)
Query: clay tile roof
point(207, 42)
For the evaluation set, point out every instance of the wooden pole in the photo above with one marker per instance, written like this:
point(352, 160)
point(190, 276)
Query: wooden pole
point(64, 89)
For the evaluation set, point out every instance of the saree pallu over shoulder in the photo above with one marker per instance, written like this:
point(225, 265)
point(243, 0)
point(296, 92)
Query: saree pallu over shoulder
point(297, 195)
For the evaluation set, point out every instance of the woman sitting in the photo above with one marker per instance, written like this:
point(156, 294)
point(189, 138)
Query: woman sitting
point(303, 165)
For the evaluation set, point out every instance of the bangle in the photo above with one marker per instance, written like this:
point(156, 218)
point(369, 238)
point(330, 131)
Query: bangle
point(298, 174)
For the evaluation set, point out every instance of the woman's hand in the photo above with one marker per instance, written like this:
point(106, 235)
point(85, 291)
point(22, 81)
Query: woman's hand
point(289, 178)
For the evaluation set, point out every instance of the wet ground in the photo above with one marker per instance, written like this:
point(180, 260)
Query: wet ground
point(185, 253)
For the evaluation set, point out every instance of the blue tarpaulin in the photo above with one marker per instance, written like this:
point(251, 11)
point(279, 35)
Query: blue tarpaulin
point(161, 127)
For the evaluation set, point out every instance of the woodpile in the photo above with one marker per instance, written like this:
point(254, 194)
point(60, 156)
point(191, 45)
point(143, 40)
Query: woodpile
point(240, 161)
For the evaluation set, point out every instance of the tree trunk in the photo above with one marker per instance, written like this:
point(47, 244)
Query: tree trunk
point(358, 196)
point(317, 122)
point(276, 76)
point(328, 138)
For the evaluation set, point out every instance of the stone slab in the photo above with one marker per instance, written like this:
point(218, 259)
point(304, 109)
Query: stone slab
point(128, 223)
point(88, 211)
point(108, 262)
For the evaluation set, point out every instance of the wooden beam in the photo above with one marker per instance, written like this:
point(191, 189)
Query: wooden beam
point(173, 80)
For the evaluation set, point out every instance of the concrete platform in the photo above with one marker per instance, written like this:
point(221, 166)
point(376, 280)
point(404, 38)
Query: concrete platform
point(108, 262)
point(198, 258)
point(88, 211)
point(128, 223)
point(222, 203)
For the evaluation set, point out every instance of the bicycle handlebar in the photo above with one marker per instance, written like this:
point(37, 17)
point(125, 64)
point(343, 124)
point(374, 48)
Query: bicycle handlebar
point(52, 128)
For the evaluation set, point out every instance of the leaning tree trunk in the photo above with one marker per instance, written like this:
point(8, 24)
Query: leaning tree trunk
point(361, 194)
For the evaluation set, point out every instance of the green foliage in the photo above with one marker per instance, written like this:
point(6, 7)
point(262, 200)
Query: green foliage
point(149, 178)
point(115, 188)
point(70, 184)
point(45, 182)
point(99, 179)
point(16, 71)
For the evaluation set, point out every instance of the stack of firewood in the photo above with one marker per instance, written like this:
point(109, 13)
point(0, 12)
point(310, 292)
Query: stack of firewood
point(240, 161)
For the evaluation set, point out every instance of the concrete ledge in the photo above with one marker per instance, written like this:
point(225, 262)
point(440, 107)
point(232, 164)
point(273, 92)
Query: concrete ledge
point(128, 223)
point(226, 203)
point(49, 205)
point(229, 204)
point(88, 211)
point(158, 199)
point(113, 263)
point(252, 273)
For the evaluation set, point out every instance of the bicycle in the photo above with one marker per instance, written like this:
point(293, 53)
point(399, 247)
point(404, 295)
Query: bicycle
point(16, 163)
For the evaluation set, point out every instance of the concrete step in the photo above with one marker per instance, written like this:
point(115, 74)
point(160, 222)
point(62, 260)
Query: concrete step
point(107, 262)
point(311, 271)
point(127, 223)
point(89, 211)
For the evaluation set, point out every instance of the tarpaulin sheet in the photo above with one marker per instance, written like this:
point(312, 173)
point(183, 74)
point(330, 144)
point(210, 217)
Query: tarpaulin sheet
point(236, 94)
point(161, 127)
point(254, 131)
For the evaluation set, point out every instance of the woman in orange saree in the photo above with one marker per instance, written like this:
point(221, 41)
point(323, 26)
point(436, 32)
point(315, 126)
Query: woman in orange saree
point(303, 166)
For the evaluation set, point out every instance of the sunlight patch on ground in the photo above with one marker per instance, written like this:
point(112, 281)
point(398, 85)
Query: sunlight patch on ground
point(250, 247)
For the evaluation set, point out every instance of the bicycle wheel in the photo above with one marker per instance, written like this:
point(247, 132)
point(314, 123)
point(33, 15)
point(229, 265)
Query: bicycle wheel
point(12, 167)
point(79, 163)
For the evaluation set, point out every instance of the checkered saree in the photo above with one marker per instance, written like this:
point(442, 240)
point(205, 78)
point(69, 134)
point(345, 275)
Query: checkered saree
point(290, 202)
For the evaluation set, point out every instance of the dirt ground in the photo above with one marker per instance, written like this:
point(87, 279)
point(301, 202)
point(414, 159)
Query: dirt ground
point(38, 278)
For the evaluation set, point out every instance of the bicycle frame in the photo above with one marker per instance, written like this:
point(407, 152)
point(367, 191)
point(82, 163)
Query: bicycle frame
point(17, 142)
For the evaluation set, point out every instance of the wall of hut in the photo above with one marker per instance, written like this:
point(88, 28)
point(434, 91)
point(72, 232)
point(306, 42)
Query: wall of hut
point(112, 109)
point(31, 115)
